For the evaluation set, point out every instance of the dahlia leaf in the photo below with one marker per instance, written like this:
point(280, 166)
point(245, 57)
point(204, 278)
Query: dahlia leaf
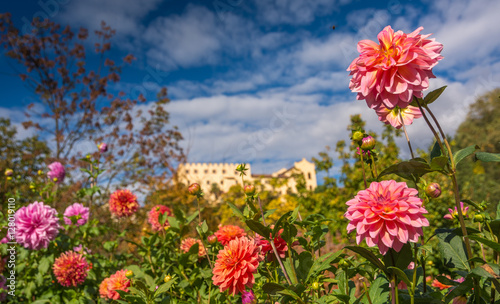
point(379, 290)
point(436, 150)
point(236, 211)
point(432, 96)
point(461, 289)
point(272, 288)
point(259, 228)
point(164, 288)
point(278, 224)
point(289, 292)
point(461, 154)
point(452, 249)
point(493, 245)
point(44, 265)
point(401, 259)
point(487, 157)
point(304, 266)
point(408, 169)
point(401, 275)
point(370, 256)
point(322, 263)
point(439, 163)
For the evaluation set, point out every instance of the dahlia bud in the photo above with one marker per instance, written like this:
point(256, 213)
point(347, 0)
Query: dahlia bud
point(9, 172)
point(40, 172)
point(249, 190)
point(167, 278)
point(129, 274)
point(357, 136)
point(102, 147)
point(368, 143)
point(212, 239)
point(195, 189)
point(433, 190)
point(315, 286)
point(479, 218)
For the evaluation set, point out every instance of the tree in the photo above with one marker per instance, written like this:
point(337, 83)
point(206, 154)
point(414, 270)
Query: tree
point(481, 127)
point(81, 106)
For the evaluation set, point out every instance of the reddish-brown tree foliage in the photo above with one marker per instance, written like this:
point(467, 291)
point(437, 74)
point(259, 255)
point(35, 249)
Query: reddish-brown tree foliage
point(81, 103)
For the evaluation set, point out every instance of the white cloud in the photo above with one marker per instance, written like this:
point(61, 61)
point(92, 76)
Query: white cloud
point(293, 11)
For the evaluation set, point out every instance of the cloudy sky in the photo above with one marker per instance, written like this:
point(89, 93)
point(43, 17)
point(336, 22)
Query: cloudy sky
point(265, 81)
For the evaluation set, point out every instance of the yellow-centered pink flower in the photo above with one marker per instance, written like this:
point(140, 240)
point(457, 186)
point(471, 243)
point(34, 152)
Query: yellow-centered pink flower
point(387, 214)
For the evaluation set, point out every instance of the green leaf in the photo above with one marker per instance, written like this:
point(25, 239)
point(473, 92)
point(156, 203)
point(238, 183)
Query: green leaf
point(436, 150)
point(379, 290)
point(461, 289)
point(259, 228)
point(370, 256)
point(498, 211)
point(401, 259)
point(304, 265)
point(174, 223)
point(191, 217)
point(408, 169)
point(493, 245)
point(44, 265)
point(136, 270)
point(452, 249)
point(236, 211)
point(487, 157)
point(289, 292)
point(279, 223)
point(163, 288)
point(322, 263)
point(272, 288)
point(401, 275)
point(439, 163)
point(432, 96)
point(461, 154)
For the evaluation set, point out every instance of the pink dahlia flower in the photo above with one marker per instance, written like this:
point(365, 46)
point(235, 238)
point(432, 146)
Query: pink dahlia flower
point(387, 214)
point(103, 147)
point(236, 264)
point(57, 172)
point(155, 213)
point(228, 233)
point(80, 213)
point(392, 72)
point(117, 281)
point(186, 244)
point(36, 225)
point(391, 117)
point(248, 297)
point(71, 269)
point(454, 212)
point(123, 203)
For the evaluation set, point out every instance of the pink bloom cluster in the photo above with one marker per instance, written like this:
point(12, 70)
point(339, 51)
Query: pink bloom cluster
point(36, 225)
point(78, 211)
point(155, 213)
point(388, 74)
point(454, 212)
point(387, 214)
point(71, 269)
point(56, 171)
point(248, 297)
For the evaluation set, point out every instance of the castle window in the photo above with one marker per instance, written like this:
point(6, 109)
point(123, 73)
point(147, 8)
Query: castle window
point(223, 171)
point(214, 171)
point(206, 171)
point(195, 171)
point(208, 182)
point(310, 188)
point(309, 175)
point(222, 182)
point(236, 182)
point(187, 171)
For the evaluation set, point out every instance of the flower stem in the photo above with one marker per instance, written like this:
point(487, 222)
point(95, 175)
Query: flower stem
point(273, 246)
point(406, 134)
point(363, 166)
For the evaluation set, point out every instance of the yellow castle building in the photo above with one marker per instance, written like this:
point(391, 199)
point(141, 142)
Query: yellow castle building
point(226, 176)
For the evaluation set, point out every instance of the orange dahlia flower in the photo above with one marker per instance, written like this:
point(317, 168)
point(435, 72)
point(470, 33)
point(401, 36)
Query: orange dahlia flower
point(71, 269)
point(123, 203)
point(117, 281)
point(392, 72)
point(228, 233)
point(186, 244)
point(387, 214)
point(236, 264)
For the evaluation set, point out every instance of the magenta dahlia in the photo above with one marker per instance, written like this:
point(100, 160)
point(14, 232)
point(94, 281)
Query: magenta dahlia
point(36, 225)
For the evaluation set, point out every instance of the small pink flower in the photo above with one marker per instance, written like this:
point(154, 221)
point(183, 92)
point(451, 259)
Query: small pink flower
point(36, 225)
point(391, 117)
point(365, 153)
point(387, 214)
point(102, 147)
point(248, 297)
point(391, 72)
point(79, 212)
point(454, 213)
point(155, 213)
point(57, 172)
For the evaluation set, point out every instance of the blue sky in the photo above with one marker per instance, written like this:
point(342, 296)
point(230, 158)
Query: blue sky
point(265, 81)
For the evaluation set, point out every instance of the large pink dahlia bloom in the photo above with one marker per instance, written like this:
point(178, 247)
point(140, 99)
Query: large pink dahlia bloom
point(392, 72)
point(71, 269)
point(36, 225)
point(387, 214)
point(236, 264)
